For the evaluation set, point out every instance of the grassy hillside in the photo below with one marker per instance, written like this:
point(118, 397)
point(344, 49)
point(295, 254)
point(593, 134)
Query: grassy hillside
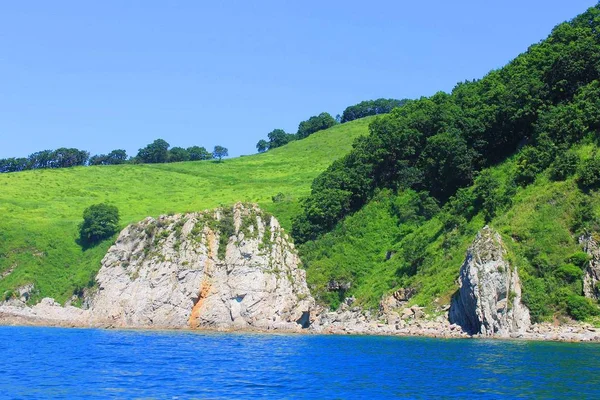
point(40, 210)
point(400, 247)
point(517, 149)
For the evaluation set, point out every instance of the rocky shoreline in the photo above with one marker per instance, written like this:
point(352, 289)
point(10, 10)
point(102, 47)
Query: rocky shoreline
point(236, 270)
point(351, 321)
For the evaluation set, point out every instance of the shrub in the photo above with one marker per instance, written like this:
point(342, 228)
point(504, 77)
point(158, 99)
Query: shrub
point(100, 221)
point(589, 174)
point(278, 198)
point(584, 218)
point(580, 307)
point(579, 258)
point(569, 273)
point(564, 166)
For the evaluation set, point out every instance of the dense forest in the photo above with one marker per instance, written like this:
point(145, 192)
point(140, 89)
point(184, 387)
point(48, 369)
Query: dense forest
point(447, 164)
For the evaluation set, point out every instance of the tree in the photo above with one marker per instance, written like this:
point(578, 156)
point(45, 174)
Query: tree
point(278, 138)
point(100, 221)
point(118, 156)
point(155, 152)
point(315, 124)
point(262, 146)
point(113, 158)
point(13, 164)
point(198, 153)
point(41, 159)
point(370, 107)
point(68, 157)
point(177, 154)
point(219, 152)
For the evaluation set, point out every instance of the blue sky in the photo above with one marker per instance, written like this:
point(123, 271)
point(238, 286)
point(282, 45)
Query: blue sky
point(113, 74)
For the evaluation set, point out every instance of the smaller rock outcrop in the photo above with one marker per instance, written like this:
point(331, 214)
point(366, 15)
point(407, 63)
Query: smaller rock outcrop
point(488, 301)
point(591, 288)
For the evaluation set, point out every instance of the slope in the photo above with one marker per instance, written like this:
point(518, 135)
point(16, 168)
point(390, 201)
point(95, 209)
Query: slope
point(40, 210)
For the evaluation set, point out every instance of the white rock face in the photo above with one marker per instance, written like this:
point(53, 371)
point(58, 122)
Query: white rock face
point(174, 272)
point(591, 288)
point(488, 301)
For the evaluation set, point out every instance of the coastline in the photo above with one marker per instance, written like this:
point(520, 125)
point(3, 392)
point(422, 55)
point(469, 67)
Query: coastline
point(572, 333)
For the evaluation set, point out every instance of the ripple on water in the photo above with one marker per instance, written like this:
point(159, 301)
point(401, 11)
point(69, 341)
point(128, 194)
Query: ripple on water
point(88, 363)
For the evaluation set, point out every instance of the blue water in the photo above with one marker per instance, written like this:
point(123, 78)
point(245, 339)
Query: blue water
point(89, 363)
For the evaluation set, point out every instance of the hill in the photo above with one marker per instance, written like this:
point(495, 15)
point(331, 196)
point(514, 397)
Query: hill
point(517, 149)
point(40, 210)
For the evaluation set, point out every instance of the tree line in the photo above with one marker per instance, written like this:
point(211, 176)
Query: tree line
point(540, 103)
point(158, 151)
point(278, 137)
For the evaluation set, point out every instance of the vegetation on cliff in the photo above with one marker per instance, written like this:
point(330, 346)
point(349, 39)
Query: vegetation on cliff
point(516, 149)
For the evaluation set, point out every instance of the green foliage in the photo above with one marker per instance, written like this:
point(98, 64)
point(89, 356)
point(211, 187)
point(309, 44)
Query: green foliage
point(532, 160)
point(198, 153)
point(370, 107)
point(487, 192)
point(584, 217)
point(226, 228)
point(564, 166)
point(436, 144)
point(315, 124)
point(579, 258)
point(155, 152)
point(262, 146)
point(100, 221)
point(589, 173)
point(115, 157)
point(581, 308)
point(178, 154)
point(569, 273)
point(220, 152)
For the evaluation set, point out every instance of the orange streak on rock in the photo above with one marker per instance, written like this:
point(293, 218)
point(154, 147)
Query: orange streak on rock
point(204, 292)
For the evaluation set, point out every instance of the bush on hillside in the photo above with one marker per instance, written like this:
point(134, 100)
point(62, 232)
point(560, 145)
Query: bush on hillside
point(564, 166)
point(580, 307)
point(569, 273)
point(589, 174)
point(100, 221)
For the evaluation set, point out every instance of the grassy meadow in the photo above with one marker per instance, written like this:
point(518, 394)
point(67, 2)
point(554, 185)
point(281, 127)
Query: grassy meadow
point(40, 210)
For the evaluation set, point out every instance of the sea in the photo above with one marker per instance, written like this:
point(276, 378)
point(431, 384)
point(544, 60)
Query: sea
point(64, 363)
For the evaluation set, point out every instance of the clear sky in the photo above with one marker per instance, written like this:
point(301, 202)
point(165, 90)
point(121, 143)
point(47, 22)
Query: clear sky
point(118, 74)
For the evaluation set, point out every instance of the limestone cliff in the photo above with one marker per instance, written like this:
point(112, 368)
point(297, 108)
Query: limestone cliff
point(591, 288)
point(488, 301)
point(229, 268)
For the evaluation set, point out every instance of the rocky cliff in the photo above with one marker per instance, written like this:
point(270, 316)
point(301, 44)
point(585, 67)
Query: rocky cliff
point(488, 301)
point(225, 269)
point(591, 277)
point(229, 268)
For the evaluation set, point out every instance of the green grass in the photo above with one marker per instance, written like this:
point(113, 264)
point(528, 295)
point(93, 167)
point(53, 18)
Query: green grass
point(40, 210)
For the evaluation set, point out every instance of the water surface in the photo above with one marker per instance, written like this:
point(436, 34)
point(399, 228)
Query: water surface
point(90, 363)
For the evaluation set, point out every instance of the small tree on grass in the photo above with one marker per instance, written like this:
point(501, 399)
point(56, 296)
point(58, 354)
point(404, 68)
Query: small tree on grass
point(220, 152)
point(100, 221)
